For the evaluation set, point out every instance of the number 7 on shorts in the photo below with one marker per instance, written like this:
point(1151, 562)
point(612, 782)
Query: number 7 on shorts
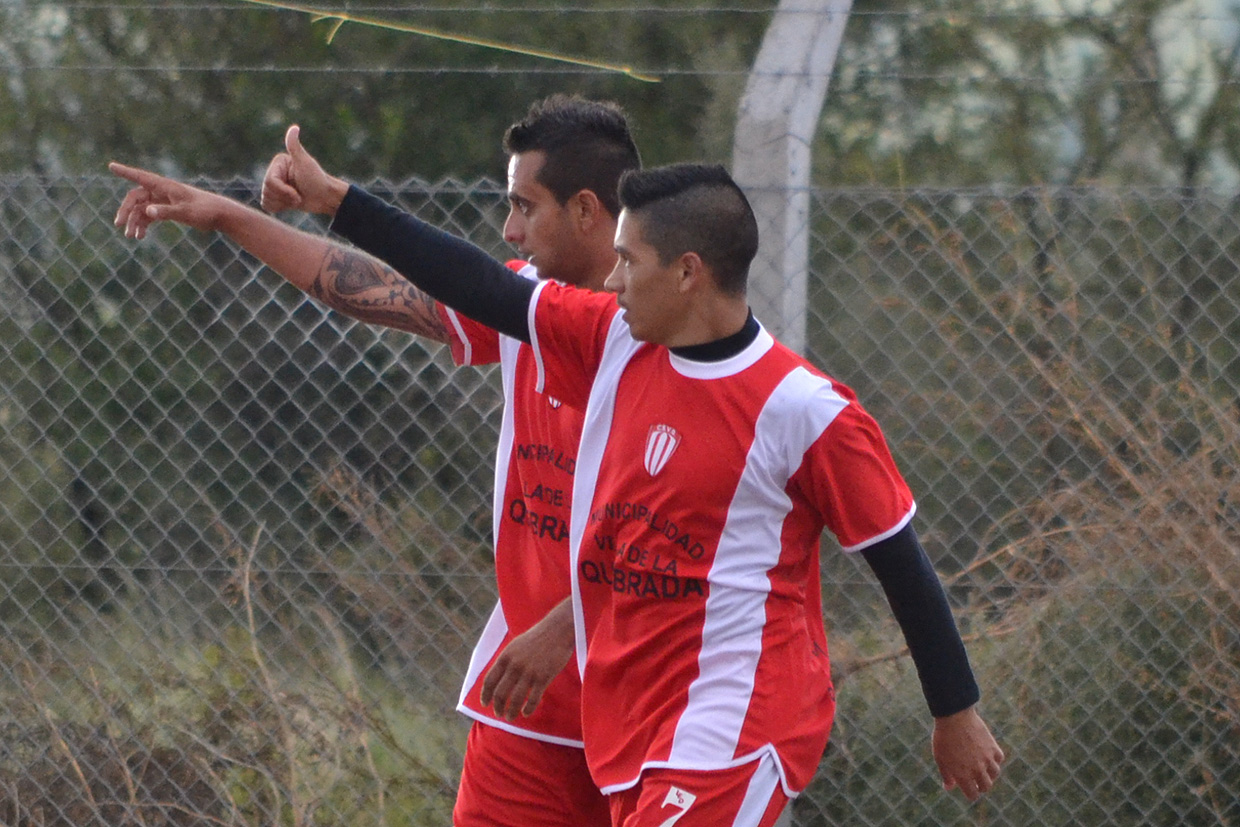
point(677, 797)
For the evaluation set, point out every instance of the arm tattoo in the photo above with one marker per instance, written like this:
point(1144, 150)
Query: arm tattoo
point(368, 290)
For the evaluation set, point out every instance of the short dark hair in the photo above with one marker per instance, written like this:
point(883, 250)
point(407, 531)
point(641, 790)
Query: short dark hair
point(695, 208)
point(587, 144)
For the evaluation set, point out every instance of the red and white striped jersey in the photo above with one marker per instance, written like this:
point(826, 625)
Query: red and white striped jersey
point(534, 467)
point(701, 491)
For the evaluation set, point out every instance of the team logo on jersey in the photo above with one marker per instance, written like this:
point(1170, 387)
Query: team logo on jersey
point(553, 402)
point(661, 442)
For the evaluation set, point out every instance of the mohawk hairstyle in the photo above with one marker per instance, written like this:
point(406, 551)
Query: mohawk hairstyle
point(695, 208)
point(587, 144)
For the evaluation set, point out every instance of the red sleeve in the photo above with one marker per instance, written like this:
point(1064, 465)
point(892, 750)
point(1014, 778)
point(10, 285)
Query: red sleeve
point(473, 343)
point(570, 331)
point(851, 476)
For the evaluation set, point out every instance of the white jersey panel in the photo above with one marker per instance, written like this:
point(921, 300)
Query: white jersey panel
point(600, 410)
point(749, 547)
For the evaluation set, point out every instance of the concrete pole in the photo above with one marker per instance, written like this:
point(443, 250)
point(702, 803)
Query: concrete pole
point(772, 153)
point(772, 160)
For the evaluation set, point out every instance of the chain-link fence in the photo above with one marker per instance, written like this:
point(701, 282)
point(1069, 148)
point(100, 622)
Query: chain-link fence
point(244, 542)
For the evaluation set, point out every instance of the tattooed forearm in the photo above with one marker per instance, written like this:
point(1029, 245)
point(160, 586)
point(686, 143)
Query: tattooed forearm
point(368, 290)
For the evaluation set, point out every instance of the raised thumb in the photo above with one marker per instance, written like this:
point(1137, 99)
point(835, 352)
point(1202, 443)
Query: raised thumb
point(292, 141)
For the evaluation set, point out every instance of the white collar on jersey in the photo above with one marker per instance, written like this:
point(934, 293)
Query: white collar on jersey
point(754, 351)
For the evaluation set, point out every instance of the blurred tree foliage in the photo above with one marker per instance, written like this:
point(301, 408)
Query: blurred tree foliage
point(209, 88)
point(1141, 92)
point(924, 94)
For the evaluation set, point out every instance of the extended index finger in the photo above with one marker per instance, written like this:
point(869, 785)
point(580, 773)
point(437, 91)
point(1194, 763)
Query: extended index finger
point(139, 176)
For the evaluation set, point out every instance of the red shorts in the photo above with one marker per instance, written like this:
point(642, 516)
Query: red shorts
point(512, 781)
point(746, 796)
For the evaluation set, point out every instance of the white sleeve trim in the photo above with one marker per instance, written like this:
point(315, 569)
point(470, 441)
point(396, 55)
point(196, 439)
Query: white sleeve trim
point(891, 532)
point(540, 380)
point(467, 347)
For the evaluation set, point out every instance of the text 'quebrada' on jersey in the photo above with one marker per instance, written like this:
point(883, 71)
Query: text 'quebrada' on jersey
point(701, 492)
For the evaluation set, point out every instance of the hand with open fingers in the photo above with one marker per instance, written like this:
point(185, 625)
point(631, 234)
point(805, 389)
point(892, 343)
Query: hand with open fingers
point(968, 756)
point(515, 683)
point(295, 181)
point(156, 198)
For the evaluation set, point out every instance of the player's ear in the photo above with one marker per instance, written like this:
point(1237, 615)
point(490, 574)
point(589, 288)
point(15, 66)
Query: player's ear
point(587, 209)
point(693, 273)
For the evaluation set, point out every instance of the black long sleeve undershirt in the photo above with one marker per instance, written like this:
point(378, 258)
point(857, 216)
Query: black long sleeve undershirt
point(920, 606)
point(449, 269)
point(467, 279)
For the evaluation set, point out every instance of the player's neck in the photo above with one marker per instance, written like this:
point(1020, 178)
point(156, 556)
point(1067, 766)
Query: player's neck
point(599, 259)
point(724, 347)
point(594, 281)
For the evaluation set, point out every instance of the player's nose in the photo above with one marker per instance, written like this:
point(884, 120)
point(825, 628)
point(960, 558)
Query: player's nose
point(614, 283)
point(514, 229)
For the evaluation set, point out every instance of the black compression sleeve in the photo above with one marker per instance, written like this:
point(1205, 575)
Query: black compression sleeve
point(449, 269)
point(920, 606)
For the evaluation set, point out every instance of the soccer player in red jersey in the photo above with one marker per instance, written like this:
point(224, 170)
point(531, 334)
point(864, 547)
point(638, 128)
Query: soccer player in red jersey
point(524, 765)
point(711, 460)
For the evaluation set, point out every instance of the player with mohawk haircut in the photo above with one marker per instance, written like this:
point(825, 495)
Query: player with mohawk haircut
point(524, 763)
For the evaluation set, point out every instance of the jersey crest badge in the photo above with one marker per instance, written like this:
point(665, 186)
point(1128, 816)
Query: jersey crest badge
point(553, 402)
point(661, 443)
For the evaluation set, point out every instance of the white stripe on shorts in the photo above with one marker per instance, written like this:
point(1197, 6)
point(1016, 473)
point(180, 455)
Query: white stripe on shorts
point(762, 785)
